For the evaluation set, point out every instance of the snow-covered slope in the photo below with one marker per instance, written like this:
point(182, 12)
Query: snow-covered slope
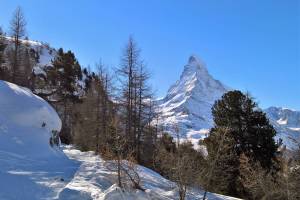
point(22, 115)
point(188, 102)
point(287, 125)
point(44, 54)
point(29, 167)
point(95, 180)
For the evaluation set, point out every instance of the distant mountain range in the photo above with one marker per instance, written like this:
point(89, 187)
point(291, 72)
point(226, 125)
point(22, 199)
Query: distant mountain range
point(187, 107)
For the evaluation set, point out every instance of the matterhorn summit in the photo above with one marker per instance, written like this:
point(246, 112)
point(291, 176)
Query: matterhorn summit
point(187, 105)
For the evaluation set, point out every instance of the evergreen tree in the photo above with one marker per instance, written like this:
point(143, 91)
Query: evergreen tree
point(249, 127)
point(66, 73)
point(241, 128)
point(64, 79)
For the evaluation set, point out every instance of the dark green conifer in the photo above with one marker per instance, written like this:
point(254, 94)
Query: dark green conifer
point(241, 128)
point(249, 127)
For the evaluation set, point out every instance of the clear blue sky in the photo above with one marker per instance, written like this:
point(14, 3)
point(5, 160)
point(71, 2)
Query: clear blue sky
point(251, 45)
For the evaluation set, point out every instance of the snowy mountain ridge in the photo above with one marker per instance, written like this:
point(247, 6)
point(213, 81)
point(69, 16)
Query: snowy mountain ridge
point(186, 108)
point(287, 124)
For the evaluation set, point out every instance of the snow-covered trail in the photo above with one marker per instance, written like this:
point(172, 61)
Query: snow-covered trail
point(93, 180)
point(32, 179)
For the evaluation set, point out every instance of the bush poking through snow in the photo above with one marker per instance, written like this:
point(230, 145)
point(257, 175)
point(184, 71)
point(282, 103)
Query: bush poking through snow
point(54, 139)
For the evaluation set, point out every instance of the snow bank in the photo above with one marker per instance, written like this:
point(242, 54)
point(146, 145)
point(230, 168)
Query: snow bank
point(19, 106)
point(29, 167)
point(26, 122)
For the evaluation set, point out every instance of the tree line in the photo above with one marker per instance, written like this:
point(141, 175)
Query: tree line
point(113, 113)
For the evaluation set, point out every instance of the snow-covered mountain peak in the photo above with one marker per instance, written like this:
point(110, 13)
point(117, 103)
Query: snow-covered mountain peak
point(195, 80)
point(188, 102)
point(195, 66)
point(197, 62)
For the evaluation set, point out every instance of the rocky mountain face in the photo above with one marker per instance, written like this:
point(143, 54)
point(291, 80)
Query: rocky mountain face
point(186, 109)
point(287, 125)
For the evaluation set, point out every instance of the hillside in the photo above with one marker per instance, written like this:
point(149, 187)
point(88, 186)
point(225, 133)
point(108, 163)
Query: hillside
point(31, 169)
point(42, 54)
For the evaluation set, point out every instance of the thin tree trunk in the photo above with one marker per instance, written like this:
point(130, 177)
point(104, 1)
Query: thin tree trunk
point(97, 118)
point(119, 172)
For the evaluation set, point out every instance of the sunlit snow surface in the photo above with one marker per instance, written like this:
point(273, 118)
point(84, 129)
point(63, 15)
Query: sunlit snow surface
point(29, 167)
point(94, 180)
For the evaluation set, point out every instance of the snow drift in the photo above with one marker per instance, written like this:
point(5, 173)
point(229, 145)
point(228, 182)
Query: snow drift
point(29, 167)
point(26, 121)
